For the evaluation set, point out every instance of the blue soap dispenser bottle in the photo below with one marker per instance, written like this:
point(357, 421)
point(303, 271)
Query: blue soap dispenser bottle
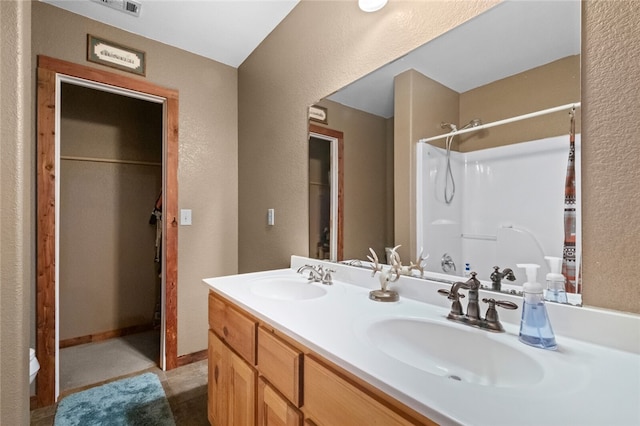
point(535, 328)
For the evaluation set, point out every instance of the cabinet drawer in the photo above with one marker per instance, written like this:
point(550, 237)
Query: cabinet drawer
point(235, 328)
point(274, 409)
point(330, 400)
point(281, 364)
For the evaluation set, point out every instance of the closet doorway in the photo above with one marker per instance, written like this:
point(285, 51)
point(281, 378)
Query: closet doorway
point(326, 205)
point(95, 201)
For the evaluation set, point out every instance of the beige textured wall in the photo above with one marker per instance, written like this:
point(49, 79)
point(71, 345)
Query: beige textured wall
point(319, 47)
point(207, 174)
point(292, 69)
point(365, 178)
point(610, 153)
point(108, 277)
point(15, 180)
point(550, 85)
point(420, 104)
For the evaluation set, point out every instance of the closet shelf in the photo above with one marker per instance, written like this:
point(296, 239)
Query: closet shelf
point(109, 160)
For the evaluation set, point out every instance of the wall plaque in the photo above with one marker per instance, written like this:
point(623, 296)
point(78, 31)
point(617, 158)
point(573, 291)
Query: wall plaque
point(115, 55)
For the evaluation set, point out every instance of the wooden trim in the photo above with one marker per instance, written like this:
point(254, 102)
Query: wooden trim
point(106, 77)
point(48, 68)
point(170, 232)
point(46, 238)
point(105, 335)
point(314, 128)
point(192, 357)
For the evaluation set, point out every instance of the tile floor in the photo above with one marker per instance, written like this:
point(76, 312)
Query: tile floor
point(186, 390)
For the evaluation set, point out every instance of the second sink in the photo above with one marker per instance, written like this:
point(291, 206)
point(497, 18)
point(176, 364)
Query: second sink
point(466, 355)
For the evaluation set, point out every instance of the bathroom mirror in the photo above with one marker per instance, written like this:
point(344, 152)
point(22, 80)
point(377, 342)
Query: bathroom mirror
point(520, 57)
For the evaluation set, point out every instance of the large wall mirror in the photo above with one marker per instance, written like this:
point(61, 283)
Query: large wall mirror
point(503, 192)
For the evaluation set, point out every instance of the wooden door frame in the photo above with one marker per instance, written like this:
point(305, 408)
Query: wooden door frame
point(48, 70)
point(339, 136)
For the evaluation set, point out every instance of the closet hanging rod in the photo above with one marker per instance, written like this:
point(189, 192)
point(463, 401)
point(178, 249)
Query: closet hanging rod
point(505, 121)
point(109, 160)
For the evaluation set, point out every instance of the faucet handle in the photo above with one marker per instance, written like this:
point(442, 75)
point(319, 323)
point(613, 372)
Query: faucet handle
point(456, 306)
point(326, 276)
point(444, 292)
point(491, 317)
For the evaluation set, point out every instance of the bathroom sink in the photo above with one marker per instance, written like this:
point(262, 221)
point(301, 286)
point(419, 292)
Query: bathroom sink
point(282, 288)
point(462, 354)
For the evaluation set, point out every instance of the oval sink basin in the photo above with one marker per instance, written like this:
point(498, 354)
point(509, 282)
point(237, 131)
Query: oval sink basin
point(286, 289)
point(466, 355)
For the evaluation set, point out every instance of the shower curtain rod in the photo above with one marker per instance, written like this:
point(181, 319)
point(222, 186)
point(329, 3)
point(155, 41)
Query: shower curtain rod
point(505, 121)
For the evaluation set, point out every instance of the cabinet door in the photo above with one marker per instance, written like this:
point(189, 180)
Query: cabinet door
point(241, 392)
point(217, 399)
point(275, 410)
point(231, 387)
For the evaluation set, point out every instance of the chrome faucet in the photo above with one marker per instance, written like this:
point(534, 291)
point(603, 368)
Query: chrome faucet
point(472, 317)
point(317, 274)
point(472, 284)
point(497, 276)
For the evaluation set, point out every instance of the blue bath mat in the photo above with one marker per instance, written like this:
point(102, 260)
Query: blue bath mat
point(138, 401)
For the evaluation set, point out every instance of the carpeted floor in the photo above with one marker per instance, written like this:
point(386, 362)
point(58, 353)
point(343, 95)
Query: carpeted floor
point(91, 363)
point(135, 401)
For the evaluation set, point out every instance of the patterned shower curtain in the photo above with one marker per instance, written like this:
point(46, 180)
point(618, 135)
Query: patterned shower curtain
point(569, 249)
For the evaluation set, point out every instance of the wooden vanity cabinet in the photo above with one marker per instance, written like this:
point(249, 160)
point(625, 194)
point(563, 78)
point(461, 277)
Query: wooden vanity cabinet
point(260, 377)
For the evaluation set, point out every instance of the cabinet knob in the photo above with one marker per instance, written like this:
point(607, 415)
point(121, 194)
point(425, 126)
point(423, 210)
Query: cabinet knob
point(225, 331)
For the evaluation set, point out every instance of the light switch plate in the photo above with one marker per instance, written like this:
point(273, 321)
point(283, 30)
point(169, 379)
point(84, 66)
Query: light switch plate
point(185, 217)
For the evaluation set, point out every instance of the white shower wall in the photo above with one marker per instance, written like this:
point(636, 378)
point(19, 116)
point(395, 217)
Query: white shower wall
point(508, 206)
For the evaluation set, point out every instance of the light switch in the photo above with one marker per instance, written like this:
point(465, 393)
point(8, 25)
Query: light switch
point(271, 217)
point(185, 217)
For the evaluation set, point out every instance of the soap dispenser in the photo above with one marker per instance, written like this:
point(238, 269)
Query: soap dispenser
point(555, 291)
point(535, 328)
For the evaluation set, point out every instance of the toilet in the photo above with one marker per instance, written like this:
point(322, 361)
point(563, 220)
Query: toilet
point(34, 365)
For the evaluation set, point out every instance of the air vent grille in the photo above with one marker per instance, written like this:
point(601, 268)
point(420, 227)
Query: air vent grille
point(129, 7)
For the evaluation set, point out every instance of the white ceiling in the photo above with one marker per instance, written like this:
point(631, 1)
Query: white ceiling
point(226, 31)
point(509, 38)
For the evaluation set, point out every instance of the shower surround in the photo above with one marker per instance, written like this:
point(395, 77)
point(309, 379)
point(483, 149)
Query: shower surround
point(508, 206)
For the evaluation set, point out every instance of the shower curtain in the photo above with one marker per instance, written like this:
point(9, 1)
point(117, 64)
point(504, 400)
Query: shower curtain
point(569, 248)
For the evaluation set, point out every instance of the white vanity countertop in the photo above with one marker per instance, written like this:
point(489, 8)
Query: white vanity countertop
point(581, 383)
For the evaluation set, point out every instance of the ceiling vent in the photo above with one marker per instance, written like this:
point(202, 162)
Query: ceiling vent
point(129, 7)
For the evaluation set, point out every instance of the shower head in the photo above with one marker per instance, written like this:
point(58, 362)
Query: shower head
point(473, 123)
point(452, 127)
